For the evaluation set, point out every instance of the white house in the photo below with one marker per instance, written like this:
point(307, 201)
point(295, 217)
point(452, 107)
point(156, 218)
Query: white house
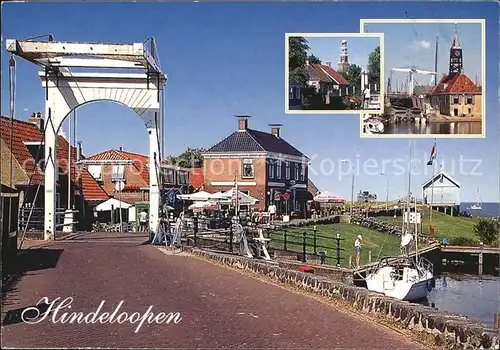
point(441, 191)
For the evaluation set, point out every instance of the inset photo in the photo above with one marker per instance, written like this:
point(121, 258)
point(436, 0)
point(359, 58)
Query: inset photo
point(434, 78)
point(334, 73)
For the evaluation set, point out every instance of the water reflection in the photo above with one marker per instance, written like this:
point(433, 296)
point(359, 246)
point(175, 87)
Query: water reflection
point(468, 295)
point(467, 128)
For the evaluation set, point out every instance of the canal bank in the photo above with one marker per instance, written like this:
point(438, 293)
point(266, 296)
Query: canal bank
point(436, 326)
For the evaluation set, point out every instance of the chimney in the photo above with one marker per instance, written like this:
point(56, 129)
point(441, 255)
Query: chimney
point(242, 122)
point(121, 149)
point(275, 129)
point(36, 118)
point(78, 151)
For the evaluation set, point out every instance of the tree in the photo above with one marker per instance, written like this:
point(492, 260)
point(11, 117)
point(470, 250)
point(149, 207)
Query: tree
point(374, 67)
point(314, 59)
point(353, 76)
point(190, 158)
point(297, 56)
point(487, 230)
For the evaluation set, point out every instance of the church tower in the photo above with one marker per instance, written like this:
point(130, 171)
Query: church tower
point(456, 56)
point(343, 64)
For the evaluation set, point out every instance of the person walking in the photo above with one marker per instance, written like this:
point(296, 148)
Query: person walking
point(357, 246)
point(366, 97)
point(143, 220)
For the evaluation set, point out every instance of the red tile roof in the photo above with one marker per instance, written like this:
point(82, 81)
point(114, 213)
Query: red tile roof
point(456, 84)
point(140, 161)
point(22, 132)
point(28, 132)
point(327, 74)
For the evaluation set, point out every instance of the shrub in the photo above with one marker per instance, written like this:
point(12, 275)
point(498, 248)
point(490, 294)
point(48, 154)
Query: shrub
point(487, 230)
point(463, 241)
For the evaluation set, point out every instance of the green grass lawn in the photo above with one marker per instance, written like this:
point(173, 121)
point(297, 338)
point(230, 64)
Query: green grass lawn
point(444, 225)
point(326, 240)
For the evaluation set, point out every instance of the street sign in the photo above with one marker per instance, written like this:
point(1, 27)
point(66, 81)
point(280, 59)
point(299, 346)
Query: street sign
point(119, 186)
point(277, 196)
point(286, 196)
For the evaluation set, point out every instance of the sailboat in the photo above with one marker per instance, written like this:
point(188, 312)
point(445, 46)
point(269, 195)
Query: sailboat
point(479, 204)
point(404, 277)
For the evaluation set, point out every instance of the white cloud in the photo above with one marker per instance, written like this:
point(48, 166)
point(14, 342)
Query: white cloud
point(420, 45)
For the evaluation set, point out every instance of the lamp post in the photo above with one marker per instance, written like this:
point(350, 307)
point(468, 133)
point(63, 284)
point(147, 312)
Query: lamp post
point(386, 190)
point(352, 185)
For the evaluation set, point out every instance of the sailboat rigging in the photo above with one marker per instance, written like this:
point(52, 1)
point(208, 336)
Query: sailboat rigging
point(404, 277)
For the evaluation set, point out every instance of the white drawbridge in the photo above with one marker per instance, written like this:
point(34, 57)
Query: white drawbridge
point(100, 77)
point(411, 71)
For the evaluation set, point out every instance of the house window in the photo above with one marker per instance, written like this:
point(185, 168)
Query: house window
point(297, 93)
point(291, 93)
point(456, 100)
point(168, 176)
point(271, 168)
point(278, 169)
point(287, 170)
point(302, 172)
point(248, 168)
point(96, 172)
point(118, 173)
point(182, 178)
point(470, 100)
point(296, 172)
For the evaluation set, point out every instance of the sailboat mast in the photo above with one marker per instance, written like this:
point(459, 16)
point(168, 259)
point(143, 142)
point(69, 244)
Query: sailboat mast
point(416, 231)
point(408, 199)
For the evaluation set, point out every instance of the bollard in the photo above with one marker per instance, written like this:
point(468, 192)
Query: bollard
point(315, 246)
point(284, 241)
point(231, 238)
point(338, 249)
point(369, 256)
point(195, 229)
point(496, 321)
point(480, 260)
point(304, 257)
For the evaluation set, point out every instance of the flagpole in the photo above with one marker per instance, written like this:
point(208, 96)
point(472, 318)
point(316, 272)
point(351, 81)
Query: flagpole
point(432, 185)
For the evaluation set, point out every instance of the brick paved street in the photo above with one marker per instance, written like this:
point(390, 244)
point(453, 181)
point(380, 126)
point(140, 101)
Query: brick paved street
point(219, 307)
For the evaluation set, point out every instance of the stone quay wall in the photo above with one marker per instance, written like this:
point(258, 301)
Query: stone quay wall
point(442, 328)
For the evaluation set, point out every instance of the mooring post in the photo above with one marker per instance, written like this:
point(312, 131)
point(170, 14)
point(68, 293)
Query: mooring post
point(315, 247)
point(195, 229)
point(496, 321)
point(284, 240)
point(231, 238)
point(338, 249)
point(369, 256)
point(480, 262)
point(304, 258)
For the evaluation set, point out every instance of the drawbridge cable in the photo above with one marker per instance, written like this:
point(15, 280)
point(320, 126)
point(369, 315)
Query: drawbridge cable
point(12, 92)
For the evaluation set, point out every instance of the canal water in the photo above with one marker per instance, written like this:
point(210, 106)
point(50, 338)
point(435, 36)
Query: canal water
point(467, 128)
point(475, 297)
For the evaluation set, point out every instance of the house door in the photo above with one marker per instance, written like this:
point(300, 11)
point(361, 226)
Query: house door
point(455, 112)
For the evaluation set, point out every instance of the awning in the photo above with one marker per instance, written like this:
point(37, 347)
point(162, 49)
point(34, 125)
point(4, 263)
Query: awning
point(112, 202)
point(327, 197)
point(198, 196)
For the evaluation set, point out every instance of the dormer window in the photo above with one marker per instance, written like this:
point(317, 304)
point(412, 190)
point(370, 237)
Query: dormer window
point(96, 172)
point(118, 173)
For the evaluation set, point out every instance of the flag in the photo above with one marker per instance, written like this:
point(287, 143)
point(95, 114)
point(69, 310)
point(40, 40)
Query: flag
point(433, 155)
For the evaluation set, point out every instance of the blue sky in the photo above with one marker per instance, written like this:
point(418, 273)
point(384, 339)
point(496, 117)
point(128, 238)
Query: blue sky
point(226, 59)
point(414, 44)
point(328, 48)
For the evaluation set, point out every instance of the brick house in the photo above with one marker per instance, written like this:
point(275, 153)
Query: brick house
point(456, 95)
point(133, 169)
point(266, 167)
point(27, 150)
point(327, 81)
